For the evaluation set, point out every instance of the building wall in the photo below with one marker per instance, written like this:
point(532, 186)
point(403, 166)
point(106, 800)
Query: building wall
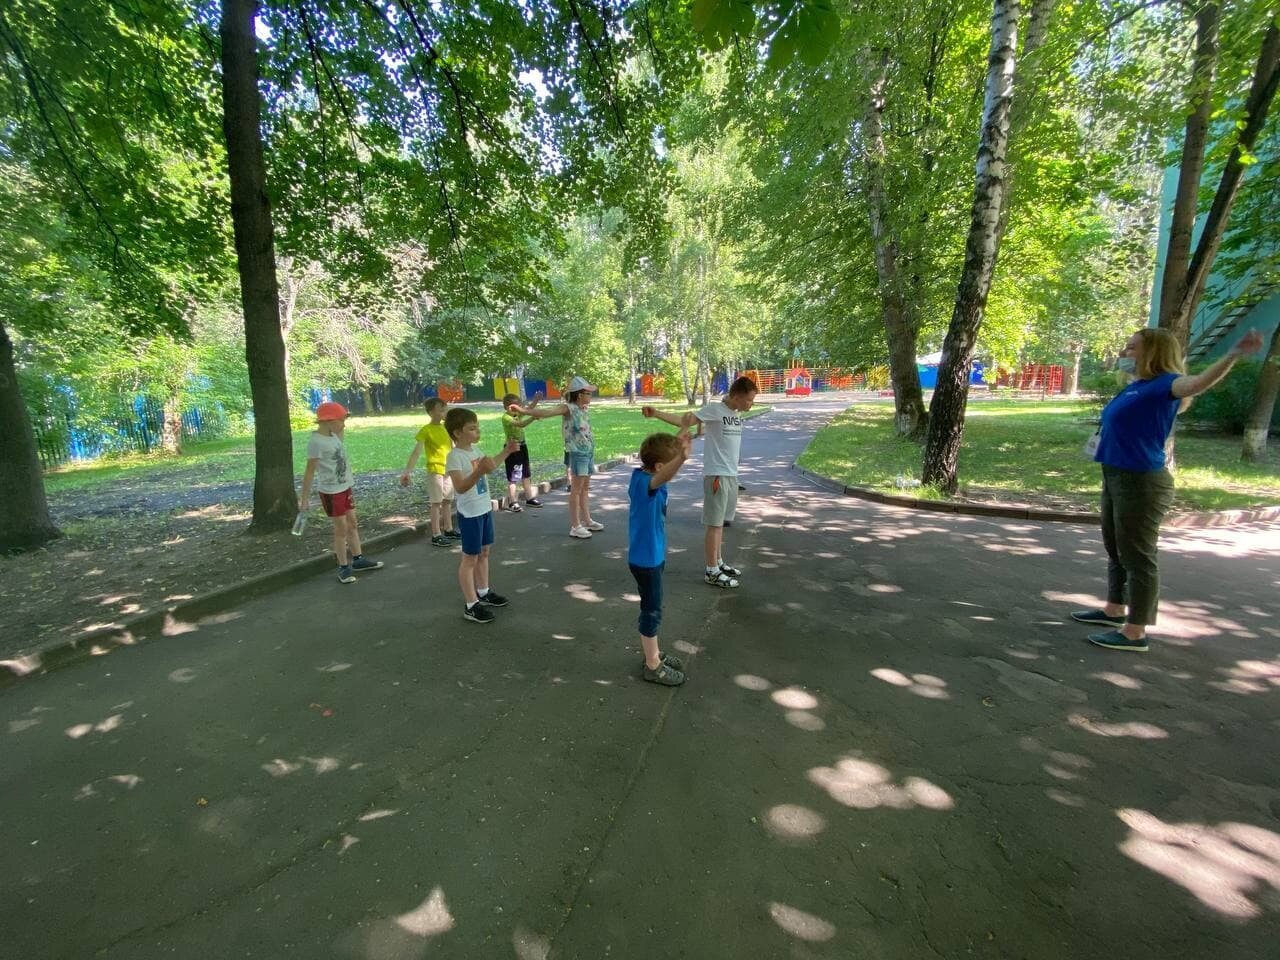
point(1219, 293)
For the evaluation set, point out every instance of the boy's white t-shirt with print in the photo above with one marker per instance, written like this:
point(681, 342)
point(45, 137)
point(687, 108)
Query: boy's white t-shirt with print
point(333, 472)
point(475, 502)
point(723, 439)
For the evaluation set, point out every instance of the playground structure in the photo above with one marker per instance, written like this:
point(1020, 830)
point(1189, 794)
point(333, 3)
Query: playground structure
point(1040, 377)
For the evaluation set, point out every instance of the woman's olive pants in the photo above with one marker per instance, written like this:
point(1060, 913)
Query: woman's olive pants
point(1133, 504)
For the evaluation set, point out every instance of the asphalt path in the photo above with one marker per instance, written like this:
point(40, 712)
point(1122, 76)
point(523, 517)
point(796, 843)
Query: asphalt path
point(893, 744)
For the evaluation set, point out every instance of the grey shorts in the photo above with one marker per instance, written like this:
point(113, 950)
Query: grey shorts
point(719, 500)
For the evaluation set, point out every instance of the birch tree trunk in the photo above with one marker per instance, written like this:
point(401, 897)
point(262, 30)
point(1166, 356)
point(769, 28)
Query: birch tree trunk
point(25, 522)
point(910, 418)
point(275, 503)
point(1177, 259)
point(950, 397)
point(1264, 403)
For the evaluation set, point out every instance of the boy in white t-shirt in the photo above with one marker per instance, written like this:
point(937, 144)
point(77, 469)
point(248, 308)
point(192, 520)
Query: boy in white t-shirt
point(328, 467)
point(721, 422)
point(468, 469)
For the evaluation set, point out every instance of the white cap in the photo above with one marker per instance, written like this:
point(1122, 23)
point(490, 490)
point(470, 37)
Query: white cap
point(580, 383)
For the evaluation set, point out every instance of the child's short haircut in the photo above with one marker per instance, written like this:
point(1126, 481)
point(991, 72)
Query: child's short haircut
point(743, 385)
point(432, 402)
point(659, 448)
point(572, 395)
point(509, 399)
point(456, 419)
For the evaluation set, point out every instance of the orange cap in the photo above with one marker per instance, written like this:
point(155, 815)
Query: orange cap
point(331, 410)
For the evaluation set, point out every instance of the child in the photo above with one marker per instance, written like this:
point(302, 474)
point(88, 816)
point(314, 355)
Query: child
point(723, 423)
point(661, 456)
point(468, 469)
point(518, 468)
point(580, 447)
point(434, 439)
point(327, 465)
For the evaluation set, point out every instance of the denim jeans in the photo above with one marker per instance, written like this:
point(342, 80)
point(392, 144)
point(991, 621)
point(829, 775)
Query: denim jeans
point(649, 580)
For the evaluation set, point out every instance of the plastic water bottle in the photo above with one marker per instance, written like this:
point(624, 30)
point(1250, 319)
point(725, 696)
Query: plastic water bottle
point(299, 525)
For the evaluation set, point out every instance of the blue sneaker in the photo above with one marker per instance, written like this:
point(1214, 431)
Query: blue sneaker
point(345, 575)
point(1096, 618)
point(1115, 640)
point(363, 563)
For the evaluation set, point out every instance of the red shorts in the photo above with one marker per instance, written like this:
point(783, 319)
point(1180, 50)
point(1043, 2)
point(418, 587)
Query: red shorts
point(337, 504)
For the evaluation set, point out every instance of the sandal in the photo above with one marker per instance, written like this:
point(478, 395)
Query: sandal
point(719, 578)
point(729, 571)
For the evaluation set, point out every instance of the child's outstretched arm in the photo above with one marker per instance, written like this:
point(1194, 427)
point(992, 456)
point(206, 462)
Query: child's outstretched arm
point(559, 410)
point(668, 471)
point(511, 447)
point(408, 467)
point(676, 421)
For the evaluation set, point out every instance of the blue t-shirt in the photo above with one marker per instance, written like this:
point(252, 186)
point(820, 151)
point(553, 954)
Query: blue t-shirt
point(646, 522)
point(1136, 424)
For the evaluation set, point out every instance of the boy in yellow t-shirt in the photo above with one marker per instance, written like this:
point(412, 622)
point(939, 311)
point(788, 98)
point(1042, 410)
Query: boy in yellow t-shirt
point(434, 439)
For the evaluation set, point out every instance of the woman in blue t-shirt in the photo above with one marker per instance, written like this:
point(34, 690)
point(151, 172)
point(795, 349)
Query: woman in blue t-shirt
point(1137, 490)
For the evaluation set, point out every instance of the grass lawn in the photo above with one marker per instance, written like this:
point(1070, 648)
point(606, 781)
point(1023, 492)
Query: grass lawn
point(374, 443)
point(1029, 451)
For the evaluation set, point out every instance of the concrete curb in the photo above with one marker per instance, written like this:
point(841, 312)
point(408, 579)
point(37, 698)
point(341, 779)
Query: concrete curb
point(1222, 518)
point(184, 617)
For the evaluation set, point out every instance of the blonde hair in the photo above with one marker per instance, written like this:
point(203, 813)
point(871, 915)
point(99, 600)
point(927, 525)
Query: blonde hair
point(1161, 353)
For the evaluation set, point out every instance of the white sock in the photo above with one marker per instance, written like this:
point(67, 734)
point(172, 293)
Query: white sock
point(481, 591)
point(713, 569)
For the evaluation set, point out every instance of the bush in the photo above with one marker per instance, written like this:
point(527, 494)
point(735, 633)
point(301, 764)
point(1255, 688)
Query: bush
point(878, 377)
point(1228, 404)
point(1103, 385)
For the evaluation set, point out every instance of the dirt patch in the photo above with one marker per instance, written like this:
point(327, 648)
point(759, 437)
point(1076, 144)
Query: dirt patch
point(139, 547)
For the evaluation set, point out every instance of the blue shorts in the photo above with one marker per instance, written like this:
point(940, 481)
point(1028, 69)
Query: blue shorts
point(582, 464)
point(477, 532)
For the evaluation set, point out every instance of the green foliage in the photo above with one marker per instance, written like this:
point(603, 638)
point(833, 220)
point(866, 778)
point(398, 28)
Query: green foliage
point(1227, 406)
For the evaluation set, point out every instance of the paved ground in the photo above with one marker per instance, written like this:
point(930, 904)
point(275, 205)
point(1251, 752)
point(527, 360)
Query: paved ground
point(893, 745)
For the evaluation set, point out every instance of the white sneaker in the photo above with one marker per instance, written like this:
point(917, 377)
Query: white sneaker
point(593, 525)
point(515, 507)
point(582, 533)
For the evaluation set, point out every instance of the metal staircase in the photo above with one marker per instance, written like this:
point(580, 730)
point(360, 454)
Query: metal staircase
point(1226, 321)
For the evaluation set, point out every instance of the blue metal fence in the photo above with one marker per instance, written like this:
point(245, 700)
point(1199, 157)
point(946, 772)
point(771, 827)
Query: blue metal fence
point(137, 427)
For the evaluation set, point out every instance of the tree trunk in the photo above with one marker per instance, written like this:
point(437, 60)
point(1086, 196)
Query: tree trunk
point(1029, 74)
point(950, 397)
point(1264, 403)
point(684, 371)
point(1262, 92)
point(24, 522)
point(171, 426)
point(1182, 223)
point(1072, 380)
point(631, 378)
point(274, 501)
point(366, 396)
point(910, 418)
